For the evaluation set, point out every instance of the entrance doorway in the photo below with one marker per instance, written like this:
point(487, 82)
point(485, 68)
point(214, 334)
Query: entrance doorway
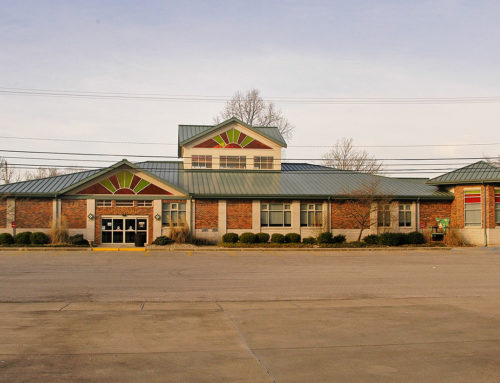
point(123, 230)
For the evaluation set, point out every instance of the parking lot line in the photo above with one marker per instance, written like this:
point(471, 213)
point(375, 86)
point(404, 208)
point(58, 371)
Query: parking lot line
point(232, 253)
point(190, 253)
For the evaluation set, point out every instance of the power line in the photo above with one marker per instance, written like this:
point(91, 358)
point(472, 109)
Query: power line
point(185, 157)
point(223, 99)
point(293, 146)
point(275, 160)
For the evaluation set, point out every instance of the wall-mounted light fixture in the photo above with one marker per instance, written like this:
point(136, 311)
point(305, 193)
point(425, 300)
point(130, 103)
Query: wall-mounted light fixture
point(90, 216)
point(157, 217)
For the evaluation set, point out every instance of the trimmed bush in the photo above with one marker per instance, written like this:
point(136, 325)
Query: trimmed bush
point(371, 239)
point(262, 237)
point(339, 239)
point(230, 238)
point(292, 238)
point(277, 238)
point(6, 239)
point(416, 238)
point(325, 237)
point(248, 238)
point(77, 240)
point(23, 238)
point(309, 240)
point(39, 238)
point(162, 241)
point(393, 239)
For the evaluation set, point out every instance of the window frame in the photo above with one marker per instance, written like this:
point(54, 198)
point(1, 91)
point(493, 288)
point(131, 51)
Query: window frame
point(124, 203)
point(267, 161)
point(201, 161)
point(103, 203)
point(241, 162)
point(469, 207)
point(265, 210)
point(144, 203)
point(405, 211)
point(383, 212)
point(305, 207)
point(174, 210)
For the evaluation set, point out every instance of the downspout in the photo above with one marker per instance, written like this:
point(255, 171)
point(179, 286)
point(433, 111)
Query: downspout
point(485, 217)
point(417, 221)
point(329, 214)
point(191, 232)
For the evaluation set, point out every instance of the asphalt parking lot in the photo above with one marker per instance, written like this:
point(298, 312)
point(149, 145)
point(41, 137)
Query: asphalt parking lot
point(230, 316)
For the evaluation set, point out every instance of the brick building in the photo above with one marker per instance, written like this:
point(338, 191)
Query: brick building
point(231, 179)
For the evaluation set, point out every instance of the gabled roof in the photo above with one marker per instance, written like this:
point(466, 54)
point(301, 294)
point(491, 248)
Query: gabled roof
point(189, 133)
point(477, 172)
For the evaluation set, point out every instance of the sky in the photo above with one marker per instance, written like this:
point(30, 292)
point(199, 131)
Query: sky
point(304, 49)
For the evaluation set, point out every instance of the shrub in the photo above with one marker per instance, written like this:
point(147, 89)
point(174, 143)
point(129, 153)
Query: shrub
point(262, 237)
point(325, 237)
point(230, 238)
point(180, 234)
point(339, 239)
point(393, 239)
point(277, 238)
point(292, 238)
point(309, 240)
point(22, 238)
point(162, 241)
point(39, 238)
point(6, 239)
point(371, 239)
point(78, 240)
point(248, 238)
point(416, 238)
point(59, 233)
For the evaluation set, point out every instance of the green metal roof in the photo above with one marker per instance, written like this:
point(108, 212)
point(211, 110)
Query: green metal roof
point(478, 172)
point(293, 181)
point(189, 133)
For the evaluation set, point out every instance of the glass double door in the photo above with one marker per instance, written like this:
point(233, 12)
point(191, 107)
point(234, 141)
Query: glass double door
point(123, 229)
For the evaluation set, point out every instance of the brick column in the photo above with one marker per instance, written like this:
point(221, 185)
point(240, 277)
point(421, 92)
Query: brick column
point(256, 216)
point(222, 217)
point(91, 223)
point(156, 224)
point(11, 213)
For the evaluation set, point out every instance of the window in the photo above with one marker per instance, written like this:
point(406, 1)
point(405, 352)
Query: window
point(497, 206)
point(124, 203)
point(263, 162)
point(201, 162)
point(174, 213)
point(311, 214)
point(233, 162)
point(405, 215)
point(275, 214)
point(103, 203)
point(472, 202)
point(384, 215)
point(144, 203)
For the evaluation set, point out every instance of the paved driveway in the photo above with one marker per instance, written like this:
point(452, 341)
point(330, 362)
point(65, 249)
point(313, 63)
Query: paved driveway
point(250, 317)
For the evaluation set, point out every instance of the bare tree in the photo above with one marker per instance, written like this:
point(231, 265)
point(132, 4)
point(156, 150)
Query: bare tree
point(252, 109)
point(343, 155)
point(8, 174)
point(361, 203)
point(44, 173)
point(492, 160)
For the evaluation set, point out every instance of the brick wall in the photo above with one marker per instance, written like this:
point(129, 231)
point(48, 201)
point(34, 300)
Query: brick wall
point(207, 214)
point(3, 213)
point(458, 208)
point(430, 210)
point(239, 214)
point(120, 211)
point(74, 213)
point(34, 213)
point(341, 219)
